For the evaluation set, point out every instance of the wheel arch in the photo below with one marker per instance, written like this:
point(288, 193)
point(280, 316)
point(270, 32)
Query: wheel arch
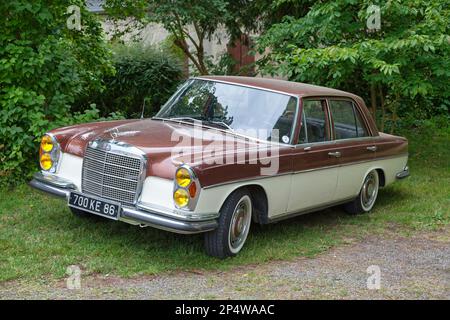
point(381, 176)
point(260, 202)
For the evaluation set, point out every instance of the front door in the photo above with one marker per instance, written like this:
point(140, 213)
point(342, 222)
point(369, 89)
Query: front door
point(315, 162)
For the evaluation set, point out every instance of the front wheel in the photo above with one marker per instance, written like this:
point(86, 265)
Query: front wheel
point(367, 196)
point(234, 224)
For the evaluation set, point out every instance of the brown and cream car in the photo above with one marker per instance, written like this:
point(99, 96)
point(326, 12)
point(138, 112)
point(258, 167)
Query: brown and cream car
point(221, 153)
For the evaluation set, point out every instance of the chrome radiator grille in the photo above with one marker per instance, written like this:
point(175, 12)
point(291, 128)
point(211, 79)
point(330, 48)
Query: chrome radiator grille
point(111, 175)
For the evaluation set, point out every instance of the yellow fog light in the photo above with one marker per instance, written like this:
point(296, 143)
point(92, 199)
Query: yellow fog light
point(47, 143)
point(181, 197)
point(183, 177)
point(46, 161)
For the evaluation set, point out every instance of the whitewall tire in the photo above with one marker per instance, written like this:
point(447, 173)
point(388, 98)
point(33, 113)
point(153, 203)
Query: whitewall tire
point(234, 225)
point(367, 196)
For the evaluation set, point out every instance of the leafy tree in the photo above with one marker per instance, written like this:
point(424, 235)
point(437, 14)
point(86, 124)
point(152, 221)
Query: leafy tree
point(44, 68)
point(193, 22)
point(260, 15)
point(403, 68)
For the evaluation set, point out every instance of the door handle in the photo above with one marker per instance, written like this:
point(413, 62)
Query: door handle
point(335, 154)
point(372, 148)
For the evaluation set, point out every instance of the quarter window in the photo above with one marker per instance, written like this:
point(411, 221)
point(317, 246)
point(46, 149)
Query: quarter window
point(347, 120)
point(314, 124)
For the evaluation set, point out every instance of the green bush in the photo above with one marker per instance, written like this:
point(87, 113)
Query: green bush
point(143, 74)
point(44, 68)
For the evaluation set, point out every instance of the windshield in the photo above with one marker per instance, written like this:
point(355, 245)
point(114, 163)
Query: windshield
point(253, 112)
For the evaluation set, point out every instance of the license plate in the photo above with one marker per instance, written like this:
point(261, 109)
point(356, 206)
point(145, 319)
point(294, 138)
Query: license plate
point(104, 208)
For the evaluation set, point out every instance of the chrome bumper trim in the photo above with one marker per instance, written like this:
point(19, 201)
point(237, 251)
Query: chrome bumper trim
point(176, 214)
point(178, 226)
point(128, 214)
point(403, 174)
point(53, 185)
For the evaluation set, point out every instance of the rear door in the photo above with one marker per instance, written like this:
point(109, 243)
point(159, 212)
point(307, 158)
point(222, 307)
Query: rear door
point(355, 145)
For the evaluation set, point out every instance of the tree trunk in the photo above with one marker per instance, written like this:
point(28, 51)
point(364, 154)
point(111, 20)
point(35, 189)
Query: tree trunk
point(373, 100)
point(201, 51)
point(201, 61)
point(383, 107)
point(394, 114)
point(199, 64)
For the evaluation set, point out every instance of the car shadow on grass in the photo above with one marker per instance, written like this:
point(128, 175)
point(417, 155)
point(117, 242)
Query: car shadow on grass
point(103, 245)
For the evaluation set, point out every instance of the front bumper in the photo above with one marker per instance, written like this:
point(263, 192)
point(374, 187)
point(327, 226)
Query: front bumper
point(62, 188)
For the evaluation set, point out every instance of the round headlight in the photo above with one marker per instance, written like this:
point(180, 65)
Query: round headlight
point(47, 143)
point(183, 177)
point(181, 197)
point(46, 161)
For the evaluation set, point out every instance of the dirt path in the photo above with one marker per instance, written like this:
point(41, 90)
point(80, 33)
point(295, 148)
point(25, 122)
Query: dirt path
point(411, 268)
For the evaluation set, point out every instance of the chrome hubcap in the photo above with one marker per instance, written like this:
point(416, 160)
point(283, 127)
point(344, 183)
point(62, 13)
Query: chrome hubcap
point(240, 223)
point(369, 190)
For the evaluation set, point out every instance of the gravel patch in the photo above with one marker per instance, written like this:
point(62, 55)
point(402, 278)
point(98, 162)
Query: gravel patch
point(415, 267)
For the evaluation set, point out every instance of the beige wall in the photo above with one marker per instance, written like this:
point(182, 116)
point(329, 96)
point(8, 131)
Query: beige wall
point(154, 34)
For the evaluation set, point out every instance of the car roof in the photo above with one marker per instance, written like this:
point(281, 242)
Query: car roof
point(288, 87)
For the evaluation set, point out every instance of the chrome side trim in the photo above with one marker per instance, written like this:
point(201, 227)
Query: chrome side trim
point(301, 171)
point(288, 215)
point(337, 142)
point(246, 179)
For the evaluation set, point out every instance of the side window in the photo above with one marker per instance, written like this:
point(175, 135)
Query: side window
point(314, 124)
point(360, 127)
point(347, 120)
point(285, 122)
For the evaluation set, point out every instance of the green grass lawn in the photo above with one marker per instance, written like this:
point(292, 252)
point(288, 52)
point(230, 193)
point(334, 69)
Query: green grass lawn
point(39, 237)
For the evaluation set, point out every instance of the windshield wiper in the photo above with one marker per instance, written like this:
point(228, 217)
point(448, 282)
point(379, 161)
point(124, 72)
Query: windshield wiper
point(183, 119)
point(220, 123)
point(177, 119)
point(205, 121)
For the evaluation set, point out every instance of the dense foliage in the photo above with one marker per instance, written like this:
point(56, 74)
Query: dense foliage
point(144, 74)
point(191, 23)
point(402, 69)
point(44, 68)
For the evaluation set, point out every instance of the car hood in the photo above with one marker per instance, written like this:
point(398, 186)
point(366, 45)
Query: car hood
point(167, 144)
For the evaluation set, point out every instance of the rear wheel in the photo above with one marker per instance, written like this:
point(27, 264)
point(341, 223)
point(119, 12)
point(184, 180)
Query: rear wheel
point(234, 225)
point(367, 196)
